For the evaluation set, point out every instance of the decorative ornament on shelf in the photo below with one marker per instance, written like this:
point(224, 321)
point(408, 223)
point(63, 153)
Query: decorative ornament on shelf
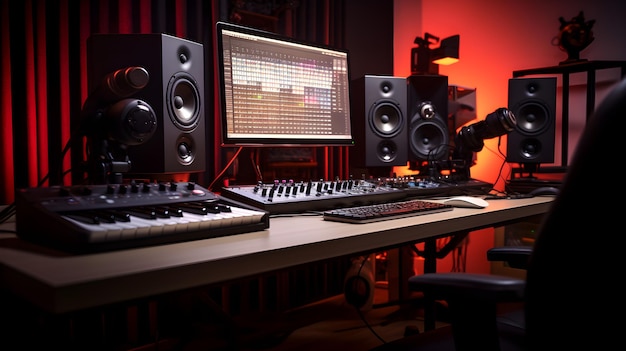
point(574, 36)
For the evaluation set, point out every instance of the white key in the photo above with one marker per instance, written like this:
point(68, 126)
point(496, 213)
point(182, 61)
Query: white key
point(98, 232)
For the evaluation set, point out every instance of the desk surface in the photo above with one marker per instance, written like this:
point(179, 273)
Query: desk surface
point(61, 283)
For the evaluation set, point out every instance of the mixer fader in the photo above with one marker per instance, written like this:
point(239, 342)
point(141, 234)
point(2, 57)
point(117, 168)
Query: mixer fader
point(297, 197)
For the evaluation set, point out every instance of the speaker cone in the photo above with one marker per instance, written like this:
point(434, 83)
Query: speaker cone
point(387, 151)
point(429, 139)
point(530, 149)
point(386, 119)
point(183, 101)
point(186, 149)
point(532, 118)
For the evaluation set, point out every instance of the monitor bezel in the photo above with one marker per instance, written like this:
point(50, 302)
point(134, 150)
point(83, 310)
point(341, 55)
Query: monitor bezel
point(231, 141)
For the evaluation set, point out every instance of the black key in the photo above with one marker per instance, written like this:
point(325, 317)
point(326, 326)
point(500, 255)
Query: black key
point(84, 217)
point(142, 212)
point(120, 216)
point(103, 216)
point(195, 208)
point(173, 211)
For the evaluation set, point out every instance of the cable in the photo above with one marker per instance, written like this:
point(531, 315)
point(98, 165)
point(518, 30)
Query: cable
point(9, 211)
point(354, 282)
point(217, 177)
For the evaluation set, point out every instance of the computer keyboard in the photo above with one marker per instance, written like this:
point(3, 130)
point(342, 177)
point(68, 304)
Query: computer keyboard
point(385, 211)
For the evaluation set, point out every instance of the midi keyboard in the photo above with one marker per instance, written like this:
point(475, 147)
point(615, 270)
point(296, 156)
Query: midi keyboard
point(299, 197)
point(119, 216)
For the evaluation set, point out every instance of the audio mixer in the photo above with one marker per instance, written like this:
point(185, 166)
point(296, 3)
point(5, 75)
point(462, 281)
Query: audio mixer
point(297, 197)
point(281, 197)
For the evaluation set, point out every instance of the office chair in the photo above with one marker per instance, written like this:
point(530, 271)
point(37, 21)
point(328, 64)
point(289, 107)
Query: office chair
point(572, 294)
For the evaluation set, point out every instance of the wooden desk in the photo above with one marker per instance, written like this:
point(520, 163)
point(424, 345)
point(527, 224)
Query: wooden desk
point(63, 283)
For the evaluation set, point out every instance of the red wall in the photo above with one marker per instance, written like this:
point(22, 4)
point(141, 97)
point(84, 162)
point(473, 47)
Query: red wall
point(498, 37)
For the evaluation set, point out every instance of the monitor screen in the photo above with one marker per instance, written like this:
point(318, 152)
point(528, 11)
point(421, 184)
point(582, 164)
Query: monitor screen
point(275, 90)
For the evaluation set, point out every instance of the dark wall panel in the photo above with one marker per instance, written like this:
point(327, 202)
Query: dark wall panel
point(369, 37)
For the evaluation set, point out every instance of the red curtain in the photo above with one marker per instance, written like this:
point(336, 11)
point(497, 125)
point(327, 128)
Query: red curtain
point(44, 78)
point(44, 73)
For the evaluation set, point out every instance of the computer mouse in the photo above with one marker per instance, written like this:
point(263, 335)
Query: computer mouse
point(544, 190)
point(466, 201)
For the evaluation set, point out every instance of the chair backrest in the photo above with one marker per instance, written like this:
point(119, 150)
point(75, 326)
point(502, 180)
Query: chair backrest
point(575, 275)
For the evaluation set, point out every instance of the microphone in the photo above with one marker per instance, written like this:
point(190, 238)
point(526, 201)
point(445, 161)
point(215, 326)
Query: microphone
point(121, 84)
point(470, 138)
point(115, 86)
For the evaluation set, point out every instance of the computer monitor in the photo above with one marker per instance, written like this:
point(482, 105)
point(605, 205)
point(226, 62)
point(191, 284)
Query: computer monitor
point(277, 91)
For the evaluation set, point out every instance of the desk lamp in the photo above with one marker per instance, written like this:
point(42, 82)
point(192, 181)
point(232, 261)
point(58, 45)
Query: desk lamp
point(426, 60)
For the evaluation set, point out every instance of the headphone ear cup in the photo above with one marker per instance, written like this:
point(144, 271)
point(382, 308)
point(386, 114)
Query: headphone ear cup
point(130, 122)
point(359, 284)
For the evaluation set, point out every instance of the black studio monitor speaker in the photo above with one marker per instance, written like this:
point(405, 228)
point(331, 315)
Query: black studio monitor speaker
point(175, 92)
point(379, 121)
point(533, 102)
point(429, 139)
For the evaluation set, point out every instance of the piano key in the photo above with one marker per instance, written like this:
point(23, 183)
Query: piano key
point(195, 208)
point(120, 216)
point(162, 212)
point(85, 218)
point(144, 222)
point(172, 211)
point(155, 228)
point(142, 212)
point(98, 232)
point(87, 221)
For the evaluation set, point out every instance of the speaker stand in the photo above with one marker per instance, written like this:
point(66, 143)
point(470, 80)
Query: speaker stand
point(526, 183)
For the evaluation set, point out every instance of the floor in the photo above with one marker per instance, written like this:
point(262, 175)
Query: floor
point(329, 325)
